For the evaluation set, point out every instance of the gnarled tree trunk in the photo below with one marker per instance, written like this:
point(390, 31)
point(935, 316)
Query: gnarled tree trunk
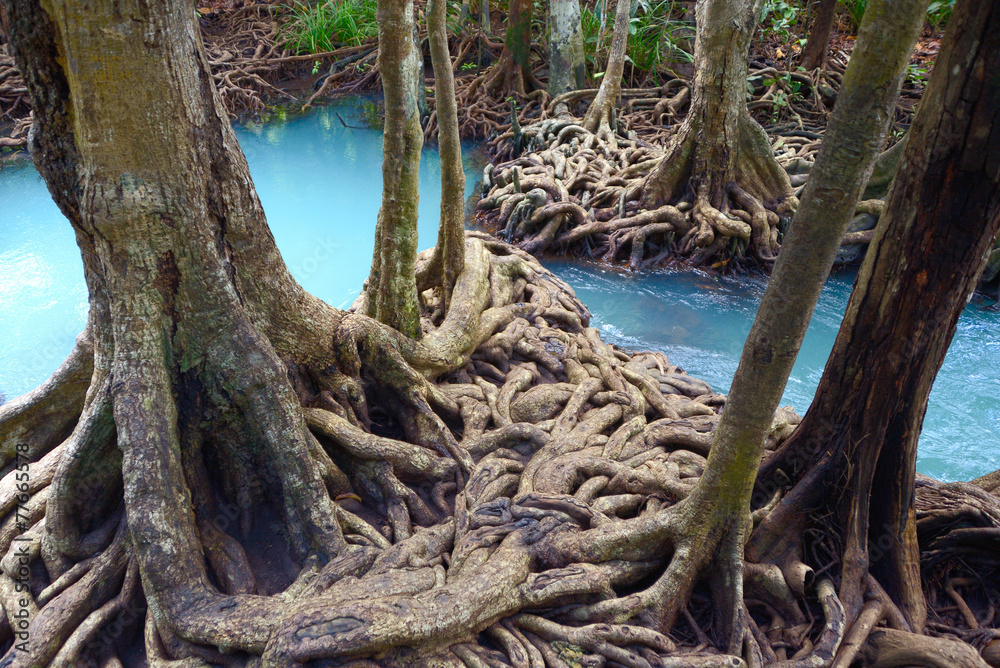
point(720, 154)
point(512, 72)
point(853, 458)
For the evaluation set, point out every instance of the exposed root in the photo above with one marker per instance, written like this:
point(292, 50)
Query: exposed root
point(586, 194)
point(507, 491)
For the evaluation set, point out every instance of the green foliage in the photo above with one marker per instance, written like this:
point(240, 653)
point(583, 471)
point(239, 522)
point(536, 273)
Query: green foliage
point(938, 12)
point(916, 75)
point(788, 91)
point(655, 36)
point(780, 18)
point(855, 11)
point(323, 27)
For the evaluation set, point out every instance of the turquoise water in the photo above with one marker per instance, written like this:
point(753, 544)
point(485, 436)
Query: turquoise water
point(320, 184)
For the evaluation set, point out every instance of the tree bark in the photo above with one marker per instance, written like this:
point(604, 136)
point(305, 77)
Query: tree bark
point(599, 114)
point(720, 154)
point(391, 291)
point(853, 138)
point(814, 53)
point(855, 453)
point(567, 67)
point(450, 250)
point(513, 69)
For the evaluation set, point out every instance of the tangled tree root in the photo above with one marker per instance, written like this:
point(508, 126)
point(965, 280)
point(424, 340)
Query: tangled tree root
point(582, 193)
point(508, 491)
point(15, 108)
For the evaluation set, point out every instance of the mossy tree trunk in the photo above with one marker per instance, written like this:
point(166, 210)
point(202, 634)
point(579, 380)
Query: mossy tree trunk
point(567, 67)
point(854, 455)
point(512, 72)
point(449, 258)
point(716, 515)
point(391, 291)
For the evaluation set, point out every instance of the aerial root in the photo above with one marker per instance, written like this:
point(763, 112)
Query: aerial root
point(529, 506)
point(572, 191)
point(33, 424)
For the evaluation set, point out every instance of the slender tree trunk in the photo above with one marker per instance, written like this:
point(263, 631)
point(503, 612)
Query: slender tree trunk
point(856, 450)
point(599, 114)
point(484, 16)
point(567, 67)
point(853, 138)
point(450, 251)
point(814, 53)
point(391, 291)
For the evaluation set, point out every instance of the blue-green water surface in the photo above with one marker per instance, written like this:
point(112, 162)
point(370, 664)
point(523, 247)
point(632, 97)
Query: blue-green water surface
point(320, 184)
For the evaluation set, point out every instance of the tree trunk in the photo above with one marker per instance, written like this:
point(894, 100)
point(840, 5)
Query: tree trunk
point(720, 504)
point(567, 67)
point(814, 53)
point(512, 73)
point(720, 154)
point(854, 455)
point(598, 115)
point(449, 256)
point(201, 351)
point(391, 291)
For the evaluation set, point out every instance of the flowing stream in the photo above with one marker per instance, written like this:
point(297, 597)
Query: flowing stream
point(320, 183)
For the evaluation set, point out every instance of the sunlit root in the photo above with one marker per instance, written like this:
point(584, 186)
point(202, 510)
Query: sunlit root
point(598, 196)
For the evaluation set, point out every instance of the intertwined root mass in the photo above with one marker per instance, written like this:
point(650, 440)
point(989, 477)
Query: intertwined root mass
point(607, 194)
point(508, 491)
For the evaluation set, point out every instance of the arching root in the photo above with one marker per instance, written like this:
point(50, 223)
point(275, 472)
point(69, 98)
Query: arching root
point(585, 194)
point(509, 490)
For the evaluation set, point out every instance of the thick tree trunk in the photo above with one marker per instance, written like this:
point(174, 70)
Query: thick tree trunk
point(599, 114)
point(391, 291)
point(567, 67)
point(720, 154)
point(449, 256)
point(855, 452)
point(186, 286)
point(814, 53)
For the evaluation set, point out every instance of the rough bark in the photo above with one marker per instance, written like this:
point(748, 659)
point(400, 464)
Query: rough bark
point(598, 116)
point(512, 72)
point(814, 53)
point(450, 250)
point(567, 67)
point(722, 498)
point(720, 154)
point(391, 292)
point(941, 217)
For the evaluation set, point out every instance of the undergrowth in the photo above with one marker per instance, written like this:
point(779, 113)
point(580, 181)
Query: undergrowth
point(330, 25)
point(657, 36)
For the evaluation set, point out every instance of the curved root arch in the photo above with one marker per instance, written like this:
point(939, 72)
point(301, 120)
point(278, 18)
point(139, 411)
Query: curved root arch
point(509, 491)
point(574, 191)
